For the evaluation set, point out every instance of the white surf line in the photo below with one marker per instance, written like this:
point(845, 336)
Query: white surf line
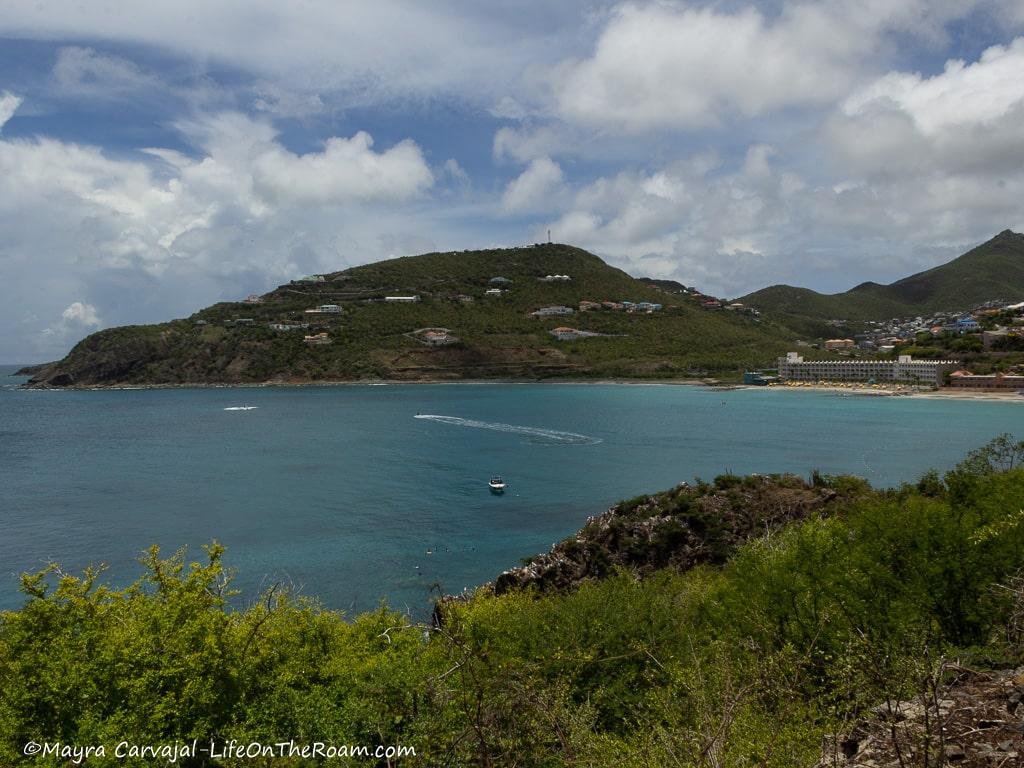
point(537, 433)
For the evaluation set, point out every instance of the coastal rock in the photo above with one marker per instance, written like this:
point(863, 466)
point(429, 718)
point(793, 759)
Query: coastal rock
point(681, 528)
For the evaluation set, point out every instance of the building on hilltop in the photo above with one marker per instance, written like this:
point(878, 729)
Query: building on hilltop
point(903, 370)
point(401, 298)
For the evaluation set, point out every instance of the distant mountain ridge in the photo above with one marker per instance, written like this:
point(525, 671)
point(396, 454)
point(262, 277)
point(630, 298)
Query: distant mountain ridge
point(992, 270)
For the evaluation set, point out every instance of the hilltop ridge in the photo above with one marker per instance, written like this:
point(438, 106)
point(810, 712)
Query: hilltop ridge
point(436, 316)
point(992, 270)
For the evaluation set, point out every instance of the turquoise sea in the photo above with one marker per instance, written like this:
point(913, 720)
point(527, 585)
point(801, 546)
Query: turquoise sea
point(345, 493)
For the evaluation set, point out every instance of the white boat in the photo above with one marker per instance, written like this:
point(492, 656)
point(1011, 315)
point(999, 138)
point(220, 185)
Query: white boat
point(242, 408)
point(496, 484)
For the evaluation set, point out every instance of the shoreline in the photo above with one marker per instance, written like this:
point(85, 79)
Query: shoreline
point(711, 384)
point(993, 395)
point(708, 383)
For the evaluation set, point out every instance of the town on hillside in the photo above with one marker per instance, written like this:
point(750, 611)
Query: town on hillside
point(978, 350)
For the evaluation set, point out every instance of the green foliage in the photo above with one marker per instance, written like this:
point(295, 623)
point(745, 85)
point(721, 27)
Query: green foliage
point(747, 664)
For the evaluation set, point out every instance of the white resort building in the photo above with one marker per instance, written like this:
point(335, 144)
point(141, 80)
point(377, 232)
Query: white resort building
point(904, 370)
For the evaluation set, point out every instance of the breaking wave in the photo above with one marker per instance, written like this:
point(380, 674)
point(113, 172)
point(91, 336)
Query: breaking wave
point(533, 434)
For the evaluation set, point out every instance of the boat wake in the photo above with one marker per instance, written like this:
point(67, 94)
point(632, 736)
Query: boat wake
point(533, 434)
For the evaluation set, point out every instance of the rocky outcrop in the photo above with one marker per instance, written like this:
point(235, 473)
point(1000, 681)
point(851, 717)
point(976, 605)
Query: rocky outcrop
point(32, 370)
point(680, 528)
point(975, 720)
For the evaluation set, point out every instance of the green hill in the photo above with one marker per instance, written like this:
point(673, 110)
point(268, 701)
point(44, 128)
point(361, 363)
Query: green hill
point(993, 270)
point(372, 338)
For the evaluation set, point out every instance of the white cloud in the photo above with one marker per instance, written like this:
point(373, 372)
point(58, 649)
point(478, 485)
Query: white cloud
point(964, 121)
point(9, 104)
point(981, 93)
point(663, 65)
point(167, 233)
point(286, 102)
point(86, 73)
point(733, 229)
point(372, 50)
point(533, 188)
point(526, 143)
point(454, 171)
point(81, 314)
point(509, 108)
point(347, 169)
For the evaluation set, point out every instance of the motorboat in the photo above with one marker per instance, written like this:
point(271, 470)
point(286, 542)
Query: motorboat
point(496, 484)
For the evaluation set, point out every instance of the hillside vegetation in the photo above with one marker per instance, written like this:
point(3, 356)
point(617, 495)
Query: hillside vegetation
point(753, 658)
point(371, 338)
point(993, 270)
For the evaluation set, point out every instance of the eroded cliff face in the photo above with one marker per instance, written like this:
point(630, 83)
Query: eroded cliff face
point(681, 528)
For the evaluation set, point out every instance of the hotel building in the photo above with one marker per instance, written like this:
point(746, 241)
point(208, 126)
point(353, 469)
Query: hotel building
point(903, 370)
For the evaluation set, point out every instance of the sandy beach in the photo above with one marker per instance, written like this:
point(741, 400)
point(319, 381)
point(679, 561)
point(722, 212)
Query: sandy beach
point(947, 393)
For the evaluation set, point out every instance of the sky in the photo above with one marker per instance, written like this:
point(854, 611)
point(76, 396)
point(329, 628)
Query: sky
point(153, 164)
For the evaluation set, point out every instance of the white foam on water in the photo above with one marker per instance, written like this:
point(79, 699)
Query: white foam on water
point(242, 408)
point(535, 434)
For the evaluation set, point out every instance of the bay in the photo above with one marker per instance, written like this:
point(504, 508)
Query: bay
point(344, 493)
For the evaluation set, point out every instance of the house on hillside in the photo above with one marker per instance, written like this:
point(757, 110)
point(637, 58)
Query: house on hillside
point(288, 326)
point(840, 344)
point(325, 309)
point(587, 306)
point(317, 339)
point(437, 337)
point(401, 299)
point(499, 281)
point(493, 292)
point(565, 334)
point(553, 311)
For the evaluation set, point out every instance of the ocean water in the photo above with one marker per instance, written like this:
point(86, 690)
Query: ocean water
point(355, 494)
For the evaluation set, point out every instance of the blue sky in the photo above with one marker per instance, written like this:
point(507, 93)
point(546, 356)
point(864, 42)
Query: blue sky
point(152, 165)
